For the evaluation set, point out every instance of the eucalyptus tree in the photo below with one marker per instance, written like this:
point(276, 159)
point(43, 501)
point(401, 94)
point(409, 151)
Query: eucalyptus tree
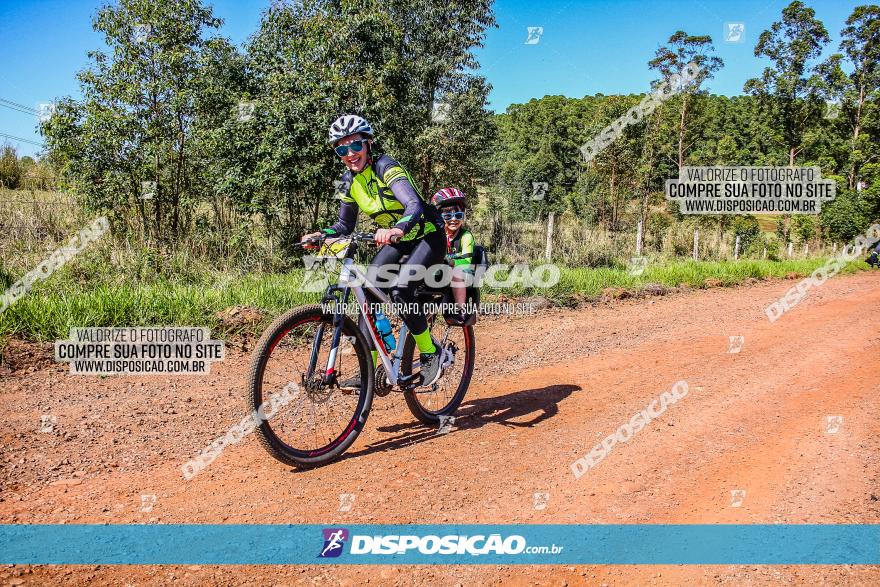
point(788, 93)
point(683, 50)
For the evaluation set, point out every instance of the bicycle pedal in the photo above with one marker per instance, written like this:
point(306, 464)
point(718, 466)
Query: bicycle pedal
point(407, 383)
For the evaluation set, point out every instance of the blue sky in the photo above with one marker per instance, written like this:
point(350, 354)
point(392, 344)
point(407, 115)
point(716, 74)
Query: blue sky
point(587, 46)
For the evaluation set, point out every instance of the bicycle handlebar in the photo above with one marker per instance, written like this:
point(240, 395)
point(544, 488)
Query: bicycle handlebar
point(360, 237)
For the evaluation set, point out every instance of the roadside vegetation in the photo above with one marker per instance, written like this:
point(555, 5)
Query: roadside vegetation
point(209, 159)
point(85, 294)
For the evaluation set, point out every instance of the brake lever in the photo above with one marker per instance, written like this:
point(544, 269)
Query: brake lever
point(312, 243)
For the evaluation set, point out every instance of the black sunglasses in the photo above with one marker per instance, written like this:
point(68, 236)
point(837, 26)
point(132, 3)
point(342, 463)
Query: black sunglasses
point(356, 146)
point(450, 215)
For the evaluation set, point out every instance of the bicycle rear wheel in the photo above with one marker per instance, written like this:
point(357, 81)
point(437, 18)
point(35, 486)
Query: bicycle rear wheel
point(315, 422)
point(431, 404)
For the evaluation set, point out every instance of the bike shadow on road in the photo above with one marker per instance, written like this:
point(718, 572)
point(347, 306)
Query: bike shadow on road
point(520, 409)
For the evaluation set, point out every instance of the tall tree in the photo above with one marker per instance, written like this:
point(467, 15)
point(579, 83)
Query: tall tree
point(308, 63)
point(853, 92)
point(436, 51)
point(617, 163)
point(135, 121)
point(681, 50)
point(786, 91)
point(452, 150)
point(313, 60)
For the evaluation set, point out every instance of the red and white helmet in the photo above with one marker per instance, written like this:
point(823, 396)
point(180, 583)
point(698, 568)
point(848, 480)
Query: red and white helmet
point(448, 197)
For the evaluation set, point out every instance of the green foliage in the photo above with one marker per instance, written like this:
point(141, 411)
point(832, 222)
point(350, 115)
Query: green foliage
point(852, 92)
point(234, 139)
point(235, 142)
point(136, 120)
point(784, 90)
point(282, 166)
point(681, 51)
point(747, 229)
point(764, 246)
point(10, 168)
point(804, 227)
point(846, 216)
point(779, 121)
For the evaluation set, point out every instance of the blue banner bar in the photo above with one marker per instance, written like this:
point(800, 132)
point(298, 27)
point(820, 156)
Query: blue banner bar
point(186, 544)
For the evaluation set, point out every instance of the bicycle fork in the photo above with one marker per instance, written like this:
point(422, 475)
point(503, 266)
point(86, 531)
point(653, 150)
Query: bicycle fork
point(329, 374)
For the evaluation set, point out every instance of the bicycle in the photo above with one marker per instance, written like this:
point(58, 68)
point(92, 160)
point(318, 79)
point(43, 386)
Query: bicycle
point(310, 346)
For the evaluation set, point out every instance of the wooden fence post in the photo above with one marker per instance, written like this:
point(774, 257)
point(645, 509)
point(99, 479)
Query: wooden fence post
point(736, 249)
point(639, 240)
point(548, 252)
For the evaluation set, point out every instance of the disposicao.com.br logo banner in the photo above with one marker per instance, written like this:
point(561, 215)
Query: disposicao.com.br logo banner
point(543, 544)
point(430, 544)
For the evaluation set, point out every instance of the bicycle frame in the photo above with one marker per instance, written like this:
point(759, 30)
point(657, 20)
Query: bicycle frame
point(348, 274)
point(391, 364)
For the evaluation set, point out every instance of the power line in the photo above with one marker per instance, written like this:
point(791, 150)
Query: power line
point(14, 109)
point(21, 140)
point(17, 106)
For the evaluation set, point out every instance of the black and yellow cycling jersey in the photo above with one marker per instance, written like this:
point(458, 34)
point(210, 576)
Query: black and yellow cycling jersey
point(460, 248)
point(386, 192)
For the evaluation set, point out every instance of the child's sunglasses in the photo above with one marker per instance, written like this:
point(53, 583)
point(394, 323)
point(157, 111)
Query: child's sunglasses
point(447, 216)
point(356, 146)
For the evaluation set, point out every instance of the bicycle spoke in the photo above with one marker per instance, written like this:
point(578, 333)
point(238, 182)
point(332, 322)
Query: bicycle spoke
point(438, 396)
point(323, 413)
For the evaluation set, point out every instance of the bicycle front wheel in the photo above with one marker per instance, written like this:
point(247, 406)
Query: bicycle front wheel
point(314, 423)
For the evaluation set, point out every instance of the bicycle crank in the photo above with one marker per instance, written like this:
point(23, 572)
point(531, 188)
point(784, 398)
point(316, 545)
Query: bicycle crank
point(381, 387)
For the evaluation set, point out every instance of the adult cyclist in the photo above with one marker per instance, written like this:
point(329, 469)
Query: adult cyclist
point(380, 187)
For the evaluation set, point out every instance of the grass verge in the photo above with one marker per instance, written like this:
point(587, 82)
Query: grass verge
point(54, 306)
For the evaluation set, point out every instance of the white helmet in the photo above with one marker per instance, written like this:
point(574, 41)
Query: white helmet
point(349, 124)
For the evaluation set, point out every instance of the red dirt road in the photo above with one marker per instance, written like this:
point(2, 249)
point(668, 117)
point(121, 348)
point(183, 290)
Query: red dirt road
point(789, 420)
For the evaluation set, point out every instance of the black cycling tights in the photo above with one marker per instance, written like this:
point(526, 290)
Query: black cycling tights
point(426, 251)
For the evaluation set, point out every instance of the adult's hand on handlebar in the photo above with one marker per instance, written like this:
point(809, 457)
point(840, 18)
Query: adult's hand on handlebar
point(388, 235)
point(311, 240)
